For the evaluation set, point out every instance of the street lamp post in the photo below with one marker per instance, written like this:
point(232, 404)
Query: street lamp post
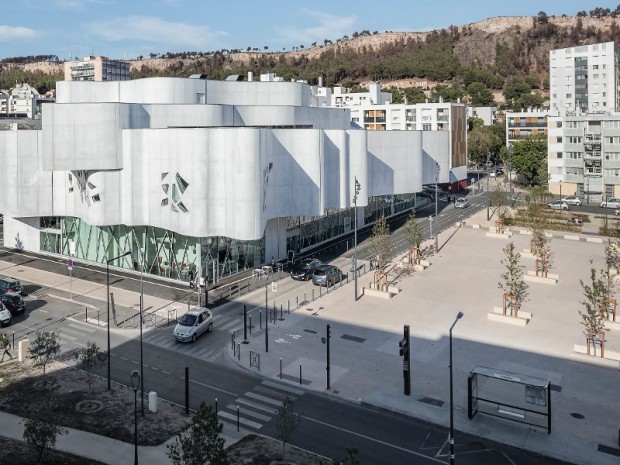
point(560, 189)
point(107, 273)
point(266, 317)
point(135, 384)
point(358, 187)
point(141, 320)
point(436, 180)
point(451, 439)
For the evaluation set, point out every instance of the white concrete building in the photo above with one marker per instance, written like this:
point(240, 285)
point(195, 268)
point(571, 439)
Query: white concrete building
point(583, 79)
point(97, 69)
point(203, 175)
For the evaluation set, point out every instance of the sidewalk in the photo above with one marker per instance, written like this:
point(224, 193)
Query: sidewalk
point(366, 368)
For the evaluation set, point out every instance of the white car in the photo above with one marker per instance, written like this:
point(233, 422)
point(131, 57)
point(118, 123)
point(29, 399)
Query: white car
point(461, 202)
point(611, 203)
point(558, 205)
point(191, 325)
point(5, 315)
point(572, 200)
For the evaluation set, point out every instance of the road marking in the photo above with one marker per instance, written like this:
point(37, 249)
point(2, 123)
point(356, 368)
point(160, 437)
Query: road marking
point(251, 413)
point(267, 400)
point(369, 438)
point(299, 392)
point(249, 403)
point(243, 421)
point(209, 386)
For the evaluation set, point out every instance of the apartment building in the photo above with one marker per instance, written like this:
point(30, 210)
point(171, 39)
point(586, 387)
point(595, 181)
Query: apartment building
point(583, 79)
point(487, 114)
point(520, 124)
point(96, 68)
point(19, 102)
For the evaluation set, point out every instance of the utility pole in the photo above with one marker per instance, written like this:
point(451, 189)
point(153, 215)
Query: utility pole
point(404, 349)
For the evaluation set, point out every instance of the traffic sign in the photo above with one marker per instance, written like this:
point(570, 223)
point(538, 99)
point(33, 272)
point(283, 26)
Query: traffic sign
point(70, 264)
point(274, 286)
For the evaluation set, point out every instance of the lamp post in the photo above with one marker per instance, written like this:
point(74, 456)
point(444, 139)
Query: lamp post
point(451, 439)
point(266, 317)
point(560, 189)
point(141, 320)
point(358, 187)
point(107, 273)
point(436, 180)
point(135, 384)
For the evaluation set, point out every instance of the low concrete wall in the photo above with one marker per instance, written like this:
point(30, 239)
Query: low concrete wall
point(609, 354)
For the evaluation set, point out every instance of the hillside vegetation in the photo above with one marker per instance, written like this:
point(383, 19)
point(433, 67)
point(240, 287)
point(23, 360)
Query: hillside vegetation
point(507, 54)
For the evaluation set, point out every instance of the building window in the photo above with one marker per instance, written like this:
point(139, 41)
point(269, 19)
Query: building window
point(426, 127)
point(559, 155)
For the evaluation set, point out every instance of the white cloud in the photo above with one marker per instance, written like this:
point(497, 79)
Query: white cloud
point(328, 27)
point(151, 29)
point(11, 33)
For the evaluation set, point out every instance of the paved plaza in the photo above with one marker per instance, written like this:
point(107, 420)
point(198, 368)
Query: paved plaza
point(464, 275)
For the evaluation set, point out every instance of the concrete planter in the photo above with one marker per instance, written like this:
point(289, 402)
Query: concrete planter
point(549, 279)
point(522, 319)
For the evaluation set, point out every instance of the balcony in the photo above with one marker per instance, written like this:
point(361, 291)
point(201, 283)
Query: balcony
point(527, 125)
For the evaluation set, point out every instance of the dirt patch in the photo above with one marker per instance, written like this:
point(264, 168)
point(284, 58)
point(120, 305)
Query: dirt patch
point(111, 413)
point(259, 450)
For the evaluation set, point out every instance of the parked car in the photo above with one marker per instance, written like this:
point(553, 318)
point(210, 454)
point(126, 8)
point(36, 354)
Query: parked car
point(492, 174)
point(461, 202)
point(326, 275)
point(195, 322)
point(5, 316)
point(10, 285)
point(304, 269)
point(558, 205)
point(572, 200)
point(611, 203)
point(14, 303)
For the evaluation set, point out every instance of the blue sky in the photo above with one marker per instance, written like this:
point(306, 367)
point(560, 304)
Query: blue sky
point(129, 28)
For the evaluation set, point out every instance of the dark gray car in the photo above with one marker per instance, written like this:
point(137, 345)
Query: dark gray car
point(327, 275)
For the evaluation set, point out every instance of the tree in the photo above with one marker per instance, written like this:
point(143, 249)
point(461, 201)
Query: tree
point(44, 348)
point(498, 202)
point(381, 243)
point(512, 283)
point(201, 442)
point(540, 247)
point(479, 95)
point(595, 303)
point(286, 422)
point(529, 158)
point(89, 359)
point(413, 233)
point(481, 142)
point(39, 431)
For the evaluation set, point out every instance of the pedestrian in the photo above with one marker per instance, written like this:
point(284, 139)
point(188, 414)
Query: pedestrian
point(5, 346)
point(191, 279)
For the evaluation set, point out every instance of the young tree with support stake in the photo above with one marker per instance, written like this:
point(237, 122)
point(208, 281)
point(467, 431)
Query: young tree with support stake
point(498, 202)
point(44, 348)
point(413, 233)
point(89, 359)
point(286, 423)
point(513, 284)
point(39, 431)
point(381, 249)
point(540, 246)
point(596, 295)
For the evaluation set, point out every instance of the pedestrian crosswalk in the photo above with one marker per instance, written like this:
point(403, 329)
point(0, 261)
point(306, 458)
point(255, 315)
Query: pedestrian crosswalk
point(257, 407)
point(203, 348)
point(72, 332)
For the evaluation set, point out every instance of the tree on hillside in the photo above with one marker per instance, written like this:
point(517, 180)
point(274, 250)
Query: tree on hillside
point(479, 95)
point(529, 159)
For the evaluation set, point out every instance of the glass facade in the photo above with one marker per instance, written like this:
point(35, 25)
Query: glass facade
point(166, 253)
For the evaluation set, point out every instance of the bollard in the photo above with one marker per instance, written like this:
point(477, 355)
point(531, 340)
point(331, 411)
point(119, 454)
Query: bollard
point(280, 368)
point(13, 343)
point(312, 294)
point(188, 305)
point(305, 300)
point(216, 405)
point(320, 291)
point(245, 323)
point(300, 374)
point(186, 390)
point(250, 325)
point(86, 314)
point(289, 307)
point(237, 418)
point(260, 319)
point(281, 318)
point(327, 287)
point(297, 303)
point(97, 317)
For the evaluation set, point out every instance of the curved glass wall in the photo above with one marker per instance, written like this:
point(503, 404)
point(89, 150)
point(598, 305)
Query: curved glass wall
point(166, 253)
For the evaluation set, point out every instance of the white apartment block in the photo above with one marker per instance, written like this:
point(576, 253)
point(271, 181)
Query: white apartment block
point(97, 69)
point(583, 79)
point(520, 124)
point(487, 114)
point(19, 102)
